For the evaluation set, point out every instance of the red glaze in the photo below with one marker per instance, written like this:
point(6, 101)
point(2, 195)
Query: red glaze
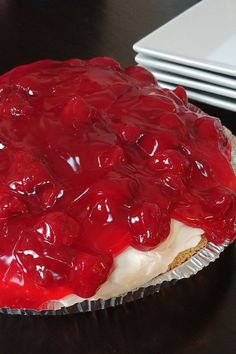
point(95, 158)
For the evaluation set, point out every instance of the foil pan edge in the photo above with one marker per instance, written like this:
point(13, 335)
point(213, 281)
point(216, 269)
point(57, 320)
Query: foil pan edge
point(192, 266)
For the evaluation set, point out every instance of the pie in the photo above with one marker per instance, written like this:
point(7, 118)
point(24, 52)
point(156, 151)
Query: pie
point(106, 181)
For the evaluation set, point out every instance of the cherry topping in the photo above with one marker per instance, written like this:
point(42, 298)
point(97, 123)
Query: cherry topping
point(103, 210)
point(158, 103)
point(172, 183)
point(45, 267)
point(89, 272)
point(170, 160)
point(141, 74)
point(26, 173)
point(128, 133)
point(48, 193)
point(113, 238)
point(149, 144)
point(219, 201)
point(11, 205)
point(76, 111)
point(112, 157)
point(210, 130)
point(148, 227)
point(4, 157)
point(58, 228)
point(104, 62)
point(173, 122)
point(94, 159)
point(181, 93)
point(152, 144)
point(15, 105)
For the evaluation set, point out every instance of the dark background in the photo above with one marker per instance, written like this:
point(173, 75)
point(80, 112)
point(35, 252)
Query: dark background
point(196, 315)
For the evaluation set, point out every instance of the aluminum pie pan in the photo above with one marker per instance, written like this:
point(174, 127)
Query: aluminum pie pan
point(192, 266)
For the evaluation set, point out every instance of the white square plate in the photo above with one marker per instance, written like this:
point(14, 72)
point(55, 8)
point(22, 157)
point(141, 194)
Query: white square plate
point(211, 99)
point(187, 71)
point(195, 84)
point(203, 36)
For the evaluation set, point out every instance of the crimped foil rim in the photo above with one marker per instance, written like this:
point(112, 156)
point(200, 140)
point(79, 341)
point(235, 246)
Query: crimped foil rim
point(190, 267)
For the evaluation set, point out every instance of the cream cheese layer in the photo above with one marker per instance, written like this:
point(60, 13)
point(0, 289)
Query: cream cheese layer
point(134, 268)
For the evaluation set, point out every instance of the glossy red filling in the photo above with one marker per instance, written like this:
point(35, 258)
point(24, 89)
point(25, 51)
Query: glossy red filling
point(93, 159)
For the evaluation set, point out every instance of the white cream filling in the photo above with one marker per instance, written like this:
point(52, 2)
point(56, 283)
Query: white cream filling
point(133, 268)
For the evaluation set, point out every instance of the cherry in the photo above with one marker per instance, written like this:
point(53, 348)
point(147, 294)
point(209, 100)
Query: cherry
point(210, 129)
point(11, 205)
point(208, 210)
point(48, 194)
point(26, 173)
point(152, 144)
point(113, 238)
point(88, 86)
point(89, 272)
point(99, 156)
point(148, 226)
point(219, 201)
point(15, 105)
point(141, 74)
point(104, 198)
point(103, 211)
point(172, 183)
point(148, 144)
point(58, 228)
point(172, 121)
point(76, 111)
point(112, 157)
point(104, 62)
point(45, 267)
point(75, 62)
point(171, 160)
point(101, 100)
point(14, 275)
point(181, 93)
point(201, 172)
point(156, 102)
point(4, 158)
point(129, 133)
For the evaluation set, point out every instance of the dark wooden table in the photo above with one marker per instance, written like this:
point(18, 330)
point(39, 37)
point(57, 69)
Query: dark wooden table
point(195, 316)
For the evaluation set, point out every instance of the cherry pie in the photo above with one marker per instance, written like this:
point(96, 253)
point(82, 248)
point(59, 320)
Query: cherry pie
point(95, 160)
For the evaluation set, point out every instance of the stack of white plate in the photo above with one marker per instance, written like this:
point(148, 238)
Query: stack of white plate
point(196, 50)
